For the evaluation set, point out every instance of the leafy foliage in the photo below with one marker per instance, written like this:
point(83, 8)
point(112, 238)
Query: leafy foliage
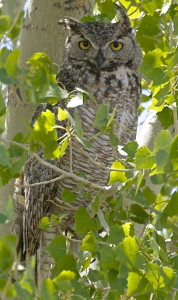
point(131, 252)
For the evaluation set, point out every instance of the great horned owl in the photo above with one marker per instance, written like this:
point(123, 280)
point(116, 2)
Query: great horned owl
point(102, 59)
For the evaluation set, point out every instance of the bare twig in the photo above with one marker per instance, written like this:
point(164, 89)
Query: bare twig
point(97, 164)
point(55, 168)
point(39, 183)
point(103, 221)
point(63, 205)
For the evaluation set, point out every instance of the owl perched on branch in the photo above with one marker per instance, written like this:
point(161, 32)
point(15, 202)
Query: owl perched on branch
point(101, 59)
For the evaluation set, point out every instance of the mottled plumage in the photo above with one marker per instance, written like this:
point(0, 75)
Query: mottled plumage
point(102, 59)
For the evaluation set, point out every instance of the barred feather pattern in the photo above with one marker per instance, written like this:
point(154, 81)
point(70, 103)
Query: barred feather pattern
point(115, 82)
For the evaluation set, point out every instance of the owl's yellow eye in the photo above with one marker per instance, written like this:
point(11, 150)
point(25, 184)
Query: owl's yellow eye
point(84, 45)
point(116, 46)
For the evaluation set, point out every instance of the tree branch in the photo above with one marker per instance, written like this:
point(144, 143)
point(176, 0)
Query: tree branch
point(39, 183)
point(97, 164)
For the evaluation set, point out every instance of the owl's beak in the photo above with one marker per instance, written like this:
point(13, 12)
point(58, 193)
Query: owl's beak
point(100, 58)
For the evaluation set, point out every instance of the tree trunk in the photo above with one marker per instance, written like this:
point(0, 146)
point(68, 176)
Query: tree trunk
point(40, 33)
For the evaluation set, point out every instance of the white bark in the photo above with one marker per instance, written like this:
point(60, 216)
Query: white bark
point(149, 130)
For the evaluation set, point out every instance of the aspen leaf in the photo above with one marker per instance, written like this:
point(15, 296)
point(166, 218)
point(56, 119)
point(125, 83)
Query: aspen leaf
point(62, 114)
point(116, 176)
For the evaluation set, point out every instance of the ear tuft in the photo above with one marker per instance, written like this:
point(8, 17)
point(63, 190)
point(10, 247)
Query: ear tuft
point(123, 18)
point(69, 24)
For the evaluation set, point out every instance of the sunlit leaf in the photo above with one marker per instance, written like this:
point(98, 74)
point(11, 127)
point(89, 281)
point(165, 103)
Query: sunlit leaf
point(154, 277)
point(44, 223)
point(133, 282)
point(143, 158)
point(116, 176)
point(66, 275)
point(62, 114)
point(89, 243)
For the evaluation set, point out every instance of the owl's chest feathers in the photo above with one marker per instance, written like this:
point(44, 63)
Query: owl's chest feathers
point(119, 89)
point(106, 85)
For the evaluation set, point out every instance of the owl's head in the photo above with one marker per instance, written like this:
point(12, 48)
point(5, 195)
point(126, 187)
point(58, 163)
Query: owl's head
point(104, 45)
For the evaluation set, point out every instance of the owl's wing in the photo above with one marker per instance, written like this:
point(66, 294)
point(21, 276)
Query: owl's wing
point(37, 203)
point(65, 79)
point(32, 202)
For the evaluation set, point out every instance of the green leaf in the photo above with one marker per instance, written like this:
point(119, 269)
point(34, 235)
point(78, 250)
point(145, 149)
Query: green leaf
point(143, 158)
point(127, 253)
point(65, 262)
point(4, 156)
point(57, 247)
point(5, 23)
point(163, 141)
point(62, 114)
point(39, 59)
point(151, 60)
point(7, 252)
point(66, 275)
point(16, 25)
point(154, 277)
point(174, 153)
point(12, 63)
point(106, 8)
point(172, 207)
point(116, 234)
point(166, 117)
point(116, 176)
point(53, 150)
point(5, 78)
point(68, 196)
point(3, 218)
point(78, 126)
point(94, 275)
point(25, 290)
point(86, 263)
point(152, 6)
point(113, 139)
point(44, 223)
point(134, 280)
point(84, 222)
point(49, 290)
point(139, 179)
point(2, 105)
point(89, 243)
point(101, 119)
point(148, 29)
point(2, 123)
point(56, 92)
point(149, 195)
point(107, 259)
point(131, 148)
point(161, 160)
point(140, 215)
point(43, 130)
